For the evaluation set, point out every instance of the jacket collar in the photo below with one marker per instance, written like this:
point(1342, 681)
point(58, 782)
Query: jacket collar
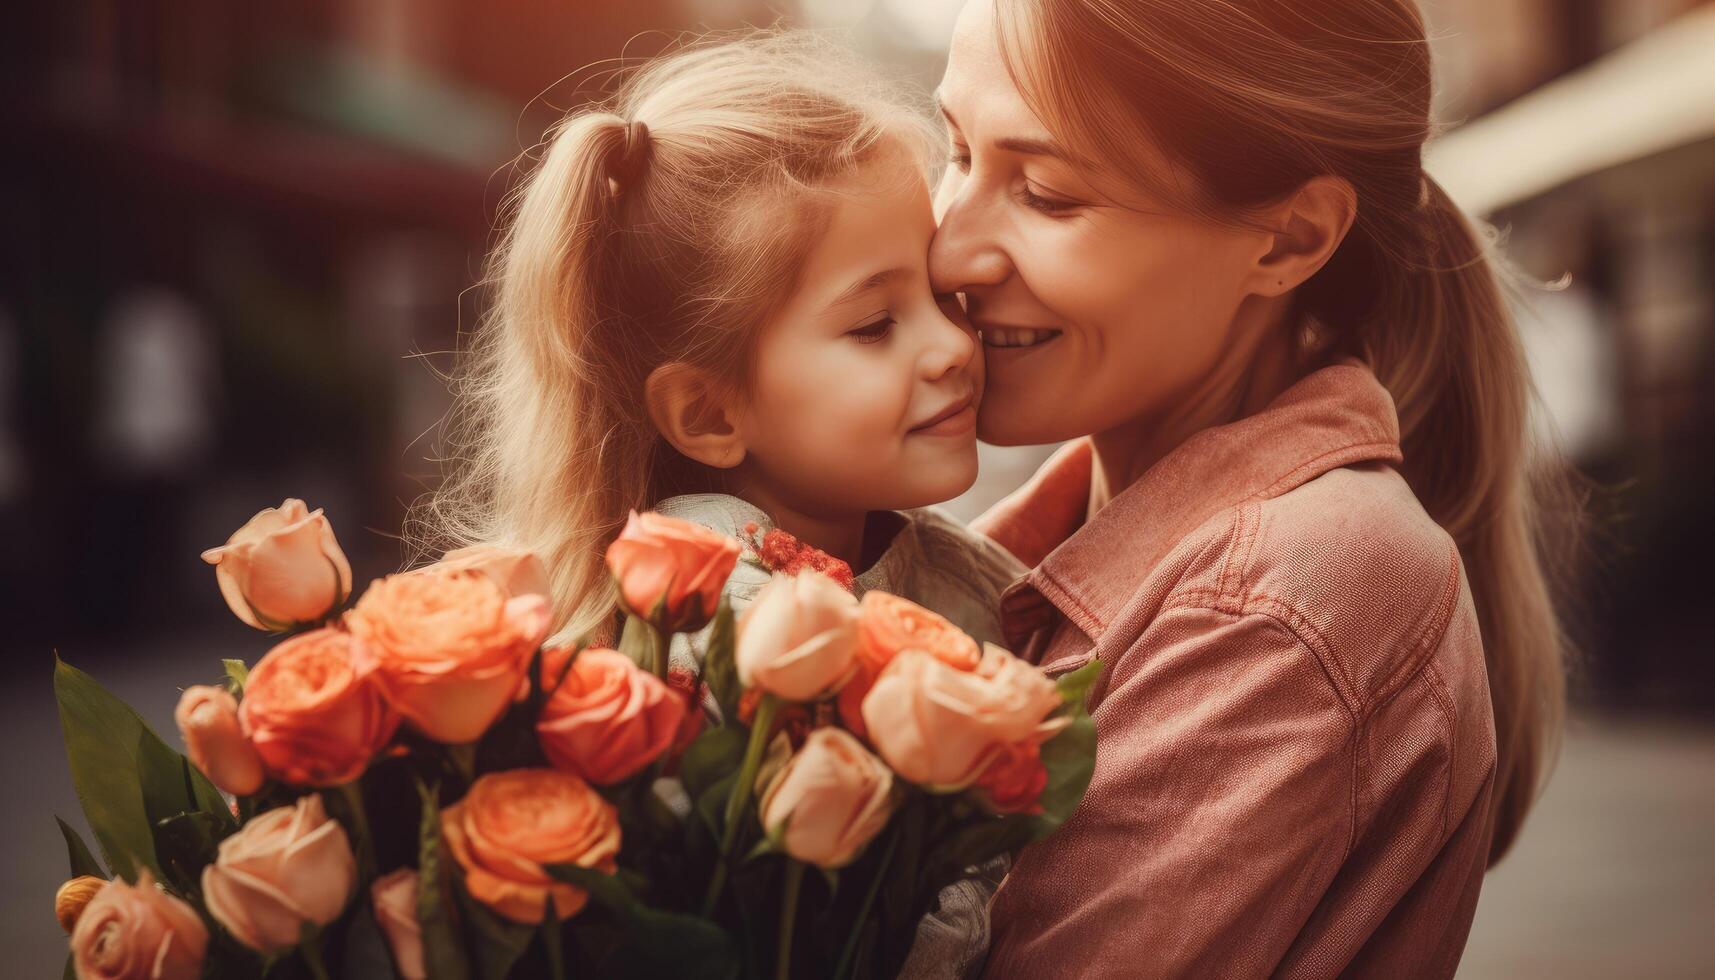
point(1089, 571)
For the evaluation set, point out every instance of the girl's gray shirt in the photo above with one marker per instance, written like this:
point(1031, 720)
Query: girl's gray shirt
point(939, 564)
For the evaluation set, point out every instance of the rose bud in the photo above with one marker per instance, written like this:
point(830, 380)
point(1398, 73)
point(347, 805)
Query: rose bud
point(73, 896)
point(282, 568)
point(672, 566)
point(290, 866)
point(447, 648)
point(798, 639)
point(1013, 782)
point(516, 571)
point(888, 624)
point(395, 899)
point(511, 823)
point(208, 721)
point(832, 798)
point(608, 718)
point(138, 932)
point(940, 727)
point(310, 713)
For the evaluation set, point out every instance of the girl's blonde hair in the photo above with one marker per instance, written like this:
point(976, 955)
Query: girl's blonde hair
point(1251, 99)
point(662, 225)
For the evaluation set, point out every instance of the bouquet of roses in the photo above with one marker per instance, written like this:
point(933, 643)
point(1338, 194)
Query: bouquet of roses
point(416, 786)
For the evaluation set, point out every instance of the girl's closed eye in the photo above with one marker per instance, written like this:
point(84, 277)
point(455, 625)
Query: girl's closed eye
point(874, 329)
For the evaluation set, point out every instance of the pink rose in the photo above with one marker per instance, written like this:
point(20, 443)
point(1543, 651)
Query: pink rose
point(516, 571)
point(287, 867)
point(282, 568)
point(447, 647)
point(832, 797)
point(138, 932)
point(208, 720)
point(798, 641)
point(312, 715)
point(940, 727)
point(395, 899)
point(679, 567)
point(608, 718)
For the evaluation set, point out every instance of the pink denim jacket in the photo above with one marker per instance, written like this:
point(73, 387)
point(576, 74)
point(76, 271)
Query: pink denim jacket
point(1295, 746)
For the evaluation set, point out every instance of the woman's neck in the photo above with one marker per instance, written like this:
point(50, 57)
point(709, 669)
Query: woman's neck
point(1243, 382)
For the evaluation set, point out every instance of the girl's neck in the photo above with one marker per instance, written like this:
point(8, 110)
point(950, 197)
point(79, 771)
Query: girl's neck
point(858, 539)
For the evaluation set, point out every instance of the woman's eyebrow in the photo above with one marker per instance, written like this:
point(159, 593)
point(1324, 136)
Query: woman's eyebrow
point(1027, 145)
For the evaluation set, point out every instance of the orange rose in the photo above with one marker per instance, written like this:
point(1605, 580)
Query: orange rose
point(290, 866)
point(798, 640)
point(940, 727)
point(313, 717)
point(832, 797)
point(448, 648)
point(138, 932)
point(1014, 781)
point(516, 571)
point(662, 560)
point(208, 720)
point(394, 898)
point(282, 568)
point(608, 718)
point(512, 823)
point(888, 624)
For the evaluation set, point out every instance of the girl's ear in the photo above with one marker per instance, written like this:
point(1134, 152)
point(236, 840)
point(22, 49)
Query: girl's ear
point(1313, 222)
point(693, 413)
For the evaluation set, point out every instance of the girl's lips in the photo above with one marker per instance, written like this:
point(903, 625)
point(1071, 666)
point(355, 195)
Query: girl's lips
point(957, 419)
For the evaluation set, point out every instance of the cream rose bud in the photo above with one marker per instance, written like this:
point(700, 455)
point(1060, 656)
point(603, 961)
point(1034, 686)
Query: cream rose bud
point(798, 641)
point(138, 932)
point(282, 568)
point(830, 800)
point(208, 720)
point(287, 867)
point(395, 900)
point(516, 571)
point(940, 727)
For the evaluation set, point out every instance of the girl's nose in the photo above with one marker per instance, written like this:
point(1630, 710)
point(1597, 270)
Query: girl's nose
point(951, 345)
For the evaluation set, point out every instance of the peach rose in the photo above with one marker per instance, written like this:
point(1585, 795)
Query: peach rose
point(312, 715)
point(138, 932)
point(512, 823)
point(799, 639)
point(888, 624)
point(940, 727)
point(448, 648)
point(516, 571)
point(289, 866)
point(282, 568)
point(208, 721)
point(608, 718)
point(395, 899)
point(832, 797)
point(73, 897)
point(660, 560)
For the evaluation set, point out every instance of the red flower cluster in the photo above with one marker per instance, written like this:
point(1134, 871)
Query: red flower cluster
point(781, 552)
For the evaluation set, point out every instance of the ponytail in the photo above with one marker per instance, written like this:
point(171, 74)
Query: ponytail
point(1443, 343)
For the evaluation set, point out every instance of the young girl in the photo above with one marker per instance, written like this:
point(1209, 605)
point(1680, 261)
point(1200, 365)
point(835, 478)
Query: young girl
point(713, 301)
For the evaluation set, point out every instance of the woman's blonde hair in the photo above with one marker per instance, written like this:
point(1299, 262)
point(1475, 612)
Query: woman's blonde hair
point(1251, 99)
point(662, 225)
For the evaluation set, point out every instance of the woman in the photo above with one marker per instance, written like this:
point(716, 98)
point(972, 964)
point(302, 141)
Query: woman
point(1299, 531)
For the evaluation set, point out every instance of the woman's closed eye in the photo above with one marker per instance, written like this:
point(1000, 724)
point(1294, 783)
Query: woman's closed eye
point(874, 329)
point(1046, 203)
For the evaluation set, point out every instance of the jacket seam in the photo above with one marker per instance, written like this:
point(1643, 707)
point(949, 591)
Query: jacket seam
point(1429, 635)
point(1438, 690)
point(1278, 609)
point(1358, 451)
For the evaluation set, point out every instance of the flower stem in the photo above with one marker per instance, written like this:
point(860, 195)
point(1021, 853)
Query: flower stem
point(365, 843)
point(738, 800)
point(788, 915)
point(313, 958)
point(850, 951)
point(660, 647)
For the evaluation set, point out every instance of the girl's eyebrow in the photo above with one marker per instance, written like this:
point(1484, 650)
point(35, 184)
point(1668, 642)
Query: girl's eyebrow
point(866, 284)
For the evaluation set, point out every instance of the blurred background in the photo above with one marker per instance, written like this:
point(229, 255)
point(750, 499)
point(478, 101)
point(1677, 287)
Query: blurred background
point(239, 239)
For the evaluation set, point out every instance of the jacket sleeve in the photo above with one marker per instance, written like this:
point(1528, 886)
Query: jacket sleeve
point(1221, 808)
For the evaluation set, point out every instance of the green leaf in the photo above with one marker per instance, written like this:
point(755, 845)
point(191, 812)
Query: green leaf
point(720, 668)
point(237, 676)
point(1075, 687)
point(656, 943)
point(637, 641)
point(443, 953)
point(102, 735)
point(185, 844)
point(82, 862)
point(715, 754)
point(70, 972)
point(551, 941)
point(1070, 756)
point(366, 952)
point(498, 941)
point(161, 775)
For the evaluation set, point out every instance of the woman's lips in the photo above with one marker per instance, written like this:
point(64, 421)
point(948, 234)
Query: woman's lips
point(956, 419)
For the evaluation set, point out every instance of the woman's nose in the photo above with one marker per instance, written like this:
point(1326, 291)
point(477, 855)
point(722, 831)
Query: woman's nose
point(965, 251)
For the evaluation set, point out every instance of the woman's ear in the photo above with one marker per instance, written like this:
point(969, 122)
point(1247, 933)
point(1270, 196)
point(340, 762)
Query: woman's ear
point(1311, 223)
point(692, 412)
